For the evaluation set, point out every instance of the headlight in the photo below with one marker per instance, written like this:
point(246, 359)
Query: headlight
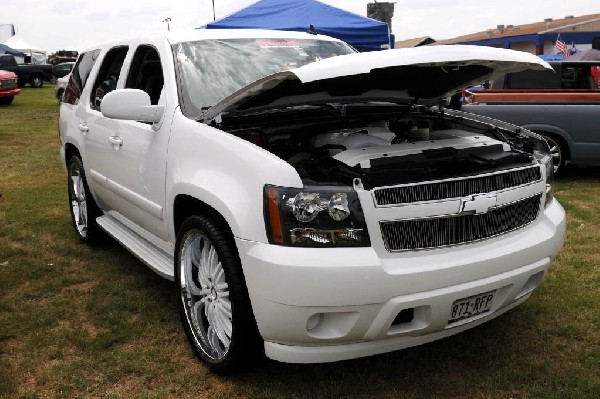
point(545, 159)
point(315, 217)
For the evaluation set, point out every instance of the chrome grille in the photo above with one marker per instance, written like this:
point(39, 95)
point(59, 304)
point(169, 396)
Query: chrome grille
point(456, 188)
point(8, 83)
point(426, 233)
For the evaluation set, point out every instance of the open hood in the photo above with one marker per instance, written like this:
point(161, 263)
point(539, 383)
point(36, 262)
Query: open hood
point(399, 76)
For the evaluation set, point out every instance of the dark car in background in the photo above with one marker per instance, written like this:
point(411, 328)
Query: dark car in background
point(62, 69)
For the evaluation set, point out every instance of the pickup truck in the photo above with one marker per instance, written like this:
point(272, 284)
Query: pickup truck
point(33, 74)
point(307, 208)
point(563, 107)
point(8, 87)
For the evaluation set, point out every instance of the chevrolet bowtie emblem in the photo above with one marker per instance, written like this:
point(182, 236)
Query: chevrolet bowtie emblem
point(477, 203)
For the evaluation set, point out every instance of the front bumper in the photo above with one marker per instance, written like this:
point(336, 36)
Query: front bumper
point(360, 293)
point(10, 93)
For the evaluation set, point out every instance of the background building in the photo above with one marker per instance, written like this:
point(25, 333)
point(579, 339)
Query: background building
point(538, 37)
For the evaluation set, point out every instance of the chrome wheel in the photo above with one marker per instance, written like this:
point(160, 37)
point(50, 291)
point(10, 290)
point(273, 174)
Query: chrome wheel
point(556, 152)
point(77, 199)
point(205, 295)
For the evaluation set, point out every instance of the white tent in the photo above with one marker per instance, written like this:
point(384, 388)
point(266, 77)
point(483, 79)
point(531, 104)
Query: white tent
point(38, 56)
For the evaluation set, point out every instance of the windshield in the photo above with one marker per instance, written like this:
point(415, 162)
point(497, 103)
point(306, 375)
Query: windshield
point(211, 70)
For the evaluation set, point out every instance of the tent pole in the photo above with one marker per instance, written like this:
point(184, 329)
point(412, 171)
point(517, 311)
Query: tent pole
point(214, 16)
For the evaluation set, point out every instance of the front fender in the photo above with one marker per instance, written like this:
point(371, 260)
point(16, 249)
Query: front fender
point(225, 172)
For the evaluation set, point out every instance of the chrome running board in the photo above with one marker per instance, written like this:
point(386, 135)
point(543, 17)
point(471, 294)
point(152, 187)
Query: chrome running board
point(155, 258)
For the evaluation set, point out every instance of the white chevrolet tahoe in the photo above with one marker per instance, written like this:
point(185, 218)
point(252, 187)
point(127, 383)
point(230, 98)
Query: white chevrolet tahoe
point(310, 202)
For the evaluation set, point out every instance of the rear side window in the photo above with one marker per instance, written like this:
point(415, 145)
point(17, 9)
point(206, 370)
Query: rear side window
point(108, 76)
point(79, 75)
point(146, 73)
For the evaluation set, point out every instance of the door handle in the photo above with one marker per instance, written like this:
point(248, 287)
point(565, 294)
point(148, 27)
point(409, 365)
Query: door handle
point(115, 140)
point(84, 128)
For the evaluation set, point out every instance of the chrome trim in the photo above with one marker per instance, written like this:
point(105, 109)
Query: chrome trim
point(450, 216)
point(445, 181)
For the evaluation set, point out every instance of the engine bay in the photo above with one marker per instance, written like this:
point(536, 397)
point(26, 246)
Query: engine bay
point(383, 145)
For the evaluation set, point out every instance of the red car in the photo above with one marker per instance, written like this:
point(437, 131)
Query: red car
point(8, 87)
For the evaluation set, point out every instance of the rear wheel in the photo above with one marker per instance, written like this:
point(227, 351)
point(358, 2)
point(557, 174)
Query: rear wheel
point(84, 210)
point(36, 81)
point(213, 299)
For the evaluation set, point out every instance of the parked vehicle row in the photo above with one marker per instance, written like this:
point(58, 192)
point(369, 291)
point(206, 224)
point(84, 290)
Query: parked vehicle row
point(310, 203)
point(32, 74)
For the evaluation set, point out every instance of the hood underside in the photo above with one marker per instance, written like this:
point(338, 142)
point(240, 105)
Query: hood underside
point(399, 76)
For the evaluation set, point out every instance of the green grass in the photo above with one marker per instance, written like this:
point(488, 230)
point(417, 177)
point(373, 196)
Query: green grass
point(95, 322)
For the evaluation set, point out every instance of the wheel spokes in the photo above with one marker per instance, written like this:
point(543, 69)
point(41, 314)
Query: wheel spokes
point(206, 295)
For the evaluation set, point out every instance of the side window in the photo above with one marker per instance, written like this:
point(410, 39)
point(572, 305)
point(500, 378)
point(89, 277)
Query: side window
point(146, 73)
point(108, 76)
point(81, 72)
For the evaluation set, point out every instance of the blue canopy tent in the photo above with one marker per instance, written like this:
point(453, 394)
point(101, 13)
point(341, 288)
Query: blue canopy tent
point(364, 34)
point(4, 49)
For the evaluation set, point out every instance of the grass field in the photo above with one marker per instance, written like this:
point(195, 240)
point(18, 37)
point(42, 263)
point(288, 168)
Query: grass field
point(96, 323)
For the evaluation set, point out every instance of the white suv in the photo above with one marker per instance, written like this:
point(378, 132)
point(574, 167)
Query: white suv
point(307, 200)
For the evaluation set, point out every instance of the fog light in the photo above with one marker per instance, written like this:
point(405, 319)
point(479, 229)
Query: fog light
point(313, 321)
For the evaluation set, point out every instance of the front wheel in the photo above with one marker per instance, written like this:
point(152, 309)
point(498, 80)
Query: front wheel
point(212, 296)
point(6, 100)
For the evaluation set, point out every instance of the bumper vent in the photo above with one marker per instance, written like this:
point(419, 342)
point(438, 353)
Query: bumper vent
point(437, 232)
point(456, 188)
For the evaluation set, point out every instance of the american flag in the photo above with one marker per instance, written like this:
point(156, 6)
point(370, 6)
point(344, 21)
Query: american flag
point(561, 46)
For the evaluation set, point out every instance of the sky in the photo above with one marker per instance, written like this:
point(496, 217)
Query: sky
point(78, 24)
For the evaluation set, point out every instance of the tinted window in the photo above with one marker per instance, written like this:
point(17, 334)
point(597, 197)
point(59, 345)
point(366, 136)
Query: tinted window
point(210, 70)
point(108, 76)
point(79, 76)
point(566, 76)
point(146, 73)
point(534, 80)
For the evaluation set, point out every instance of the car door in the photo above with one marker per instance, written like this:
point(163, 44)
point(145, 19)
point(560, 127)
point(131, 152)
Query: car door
point(128, 158)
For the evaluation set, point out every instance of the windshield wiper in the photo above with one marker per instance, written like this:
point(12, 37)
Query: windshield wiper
point(203, 110)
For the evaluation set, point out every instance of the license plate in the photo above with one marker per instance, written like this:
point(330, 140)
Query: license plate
point(472, 306)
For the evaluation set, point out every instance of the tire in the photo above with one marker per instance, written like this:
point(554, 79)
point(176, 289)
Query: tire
point(82, 206)
point(59, 96)
point(36, 81)
point(558, 151)
point(6, 100)
point(212, 296)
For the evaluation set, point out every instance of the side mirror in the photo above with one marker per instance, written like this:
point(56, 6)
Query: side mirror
point(131, 104)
